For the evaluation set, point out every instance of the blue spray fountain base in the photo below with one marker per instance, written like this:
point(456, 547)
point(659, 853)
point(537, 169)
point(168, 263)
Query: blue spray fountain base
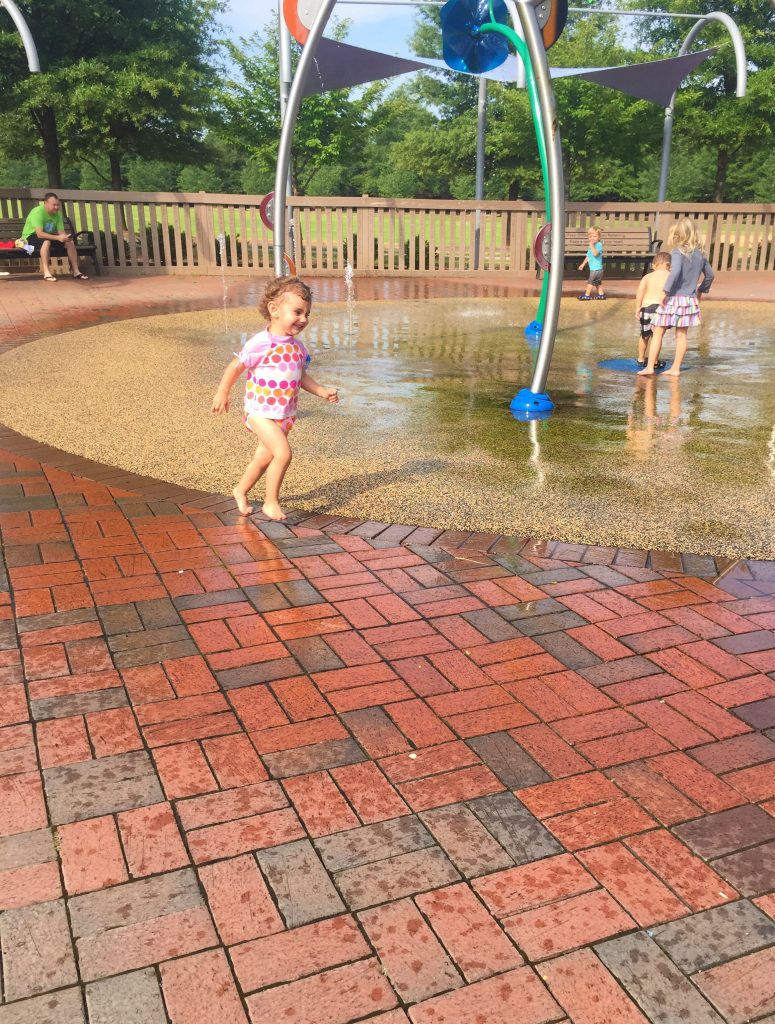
point(531, 405)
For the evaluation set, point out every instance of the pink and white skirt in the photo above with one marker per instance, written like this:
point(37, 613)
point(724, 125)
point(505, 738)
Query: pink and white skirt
point(678, 311)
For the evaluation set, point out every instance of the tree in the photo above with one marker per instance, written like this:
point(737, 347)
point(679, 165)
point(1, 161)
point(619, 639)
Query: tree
point(606, 135)
point(119, 78)
point(708, 114)
point(328, 129)
point(404, 153)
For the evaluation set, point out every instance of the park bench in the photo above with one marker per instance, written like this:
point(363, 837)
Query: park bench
point(11, 229)
point(622, 247)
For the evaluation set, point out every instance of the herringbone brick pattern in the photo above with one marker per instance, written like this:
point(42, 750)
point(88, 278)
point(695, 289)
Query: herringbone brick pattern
point(332, 771)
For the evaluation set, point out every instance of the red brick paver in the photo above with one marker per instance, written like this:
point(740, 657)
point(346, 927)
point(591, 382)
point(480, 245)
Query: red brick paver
point(316, 771)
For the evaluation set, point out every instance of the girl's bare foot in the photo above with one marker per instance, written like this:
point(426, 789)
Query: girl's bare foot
point(242, 504)
point(645, 373)
point(672, 373)
point(272, 510)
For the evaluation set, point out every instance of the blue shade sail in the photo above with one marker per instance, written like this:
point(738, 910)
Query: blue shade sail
point(465, 46)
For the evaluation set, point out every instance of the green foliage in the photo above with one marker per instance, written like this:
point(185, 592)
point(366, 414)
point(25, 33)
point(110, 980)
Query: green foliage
point(692, 173)
point(152, 176)
point(22, 172)
point(200, 179)
point(119, 78)
point(738, 132)
point(139, 92)
point(331, 180)
point(256, 177)
point(328, 130)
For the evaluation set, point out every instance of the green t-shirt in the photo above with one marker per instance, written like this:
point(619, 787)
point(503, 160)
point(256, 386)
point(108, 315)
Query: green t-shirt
point(39, 217)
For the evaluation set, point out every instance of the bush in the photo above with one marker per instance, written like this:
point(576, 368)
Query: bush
point(200, 179)
point(151, 176)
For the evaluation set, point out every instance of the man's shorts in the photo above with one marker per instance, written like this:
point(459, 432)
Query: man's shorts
point(595, 277)
point(57, 248)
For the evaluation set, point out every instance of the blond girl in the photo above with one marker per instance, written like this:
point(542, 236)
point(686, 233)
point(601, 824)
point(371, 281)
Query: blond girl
point(680, 306)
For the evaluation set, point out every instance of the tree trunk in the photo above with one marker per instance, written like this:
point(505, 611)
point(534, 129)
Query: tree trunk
point(116, 177)
point(720, 184)
point(47, 123)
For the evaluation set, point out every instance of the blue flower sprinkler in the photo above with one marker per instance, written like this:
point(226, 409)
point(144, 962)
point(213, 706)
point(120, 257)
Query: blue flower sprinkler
point(466, 47)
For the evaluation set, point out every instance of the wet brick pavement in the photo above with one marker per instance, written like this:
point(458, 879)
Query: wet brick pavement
point(331, 771)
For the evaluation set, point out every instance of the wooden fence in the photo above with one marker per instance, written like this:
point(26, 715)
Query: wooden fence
point(199, 233)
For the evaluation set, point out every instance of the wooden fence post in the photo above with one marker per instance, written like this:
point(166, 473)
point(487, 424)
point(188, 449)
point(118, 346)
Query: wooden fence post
point(364, 265)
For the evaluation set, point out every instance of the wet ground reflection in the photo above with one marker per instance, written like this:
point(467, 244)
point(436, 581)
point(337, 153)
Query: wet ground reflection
point(423, 434)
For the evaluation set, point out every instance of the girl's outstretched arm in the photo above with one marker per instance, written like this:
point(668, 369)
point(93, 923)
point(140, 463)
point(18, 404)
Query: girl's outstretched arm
point(310, 384)
point(230, 375)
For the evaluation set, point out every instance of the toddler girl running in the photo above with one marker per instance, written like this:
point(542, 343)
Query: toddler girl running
point(276, 362)
point(680, 306)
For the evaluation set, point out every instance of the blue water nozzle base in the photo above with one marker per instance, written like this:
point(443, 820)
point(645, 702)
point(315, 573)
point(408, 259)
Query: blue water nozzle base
point(531, 405)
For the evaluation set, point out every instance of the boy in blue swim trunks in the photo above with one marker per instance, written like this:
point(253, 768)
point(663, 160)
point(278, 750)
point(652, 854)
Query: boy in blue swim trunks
point(594, 260)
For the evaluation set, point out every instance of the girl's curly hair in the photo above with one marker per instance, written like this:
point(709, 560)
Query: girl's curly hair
point(278, 287)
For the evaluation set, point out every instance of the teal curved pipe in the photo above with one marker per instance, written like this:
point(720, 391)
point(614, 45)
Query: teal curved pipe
point(521, 47)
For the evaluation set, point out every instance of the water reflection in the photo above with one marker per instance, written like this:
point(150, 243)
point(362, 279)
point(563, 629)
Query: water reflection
point(533, 430)
point(649, 429)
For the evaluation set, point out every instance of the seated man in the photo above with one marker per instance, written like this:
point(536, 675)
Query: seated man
point(44, 230)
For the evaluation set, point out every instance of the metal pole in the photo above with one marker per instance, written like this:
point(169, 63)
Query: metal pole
point(535, 44)
point(29, 43)
point(286, 76)
point(481, 128)
point(286, 132)
point(667, 142)
point(628, 14)
point(742, 83)
point(286, 72)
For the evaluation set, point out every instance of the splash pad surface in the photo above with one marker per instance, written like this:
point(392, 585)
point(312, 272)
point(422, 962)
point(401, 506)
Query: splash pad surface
point(423, 434)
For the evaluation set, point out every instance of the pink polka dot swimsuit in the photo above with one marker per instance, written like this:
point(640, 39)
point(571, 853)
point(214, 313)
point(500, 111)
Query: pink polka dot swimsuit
point(275, 367)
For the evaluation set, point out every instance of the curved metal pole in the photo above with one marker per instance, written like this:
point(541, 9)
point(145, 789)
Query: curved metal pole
point(288, 126)
point(535, 44)
point(742, 83)
point(29, 43)
point(481, 129)
point(286, 77)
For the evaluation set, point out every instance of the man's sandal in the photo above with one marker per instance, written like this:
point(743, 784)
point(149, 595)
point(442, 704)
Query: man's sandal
point(80, 277)
point(49, 277)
